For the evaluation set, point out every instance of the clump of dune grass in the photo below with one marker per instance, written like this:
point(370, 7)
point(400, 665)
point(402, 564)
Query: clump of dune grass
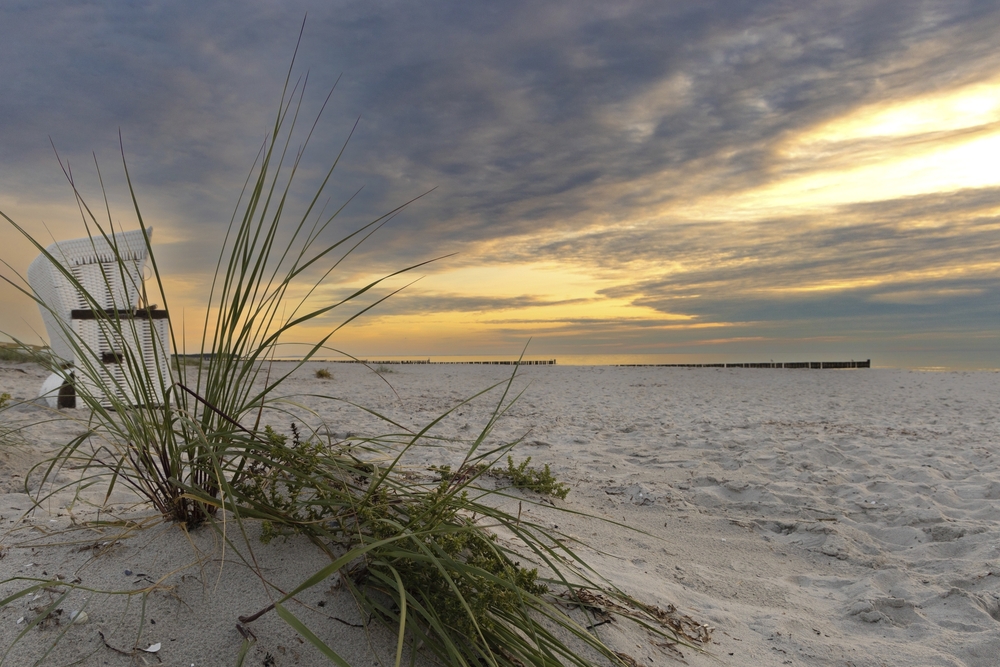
point(422, 556)
point(172, 453)
point(323, 374)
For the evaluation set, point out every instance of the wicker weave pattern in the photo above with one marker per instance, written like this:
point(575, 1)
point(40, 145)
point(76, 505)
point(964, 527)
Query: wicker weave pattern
point(120, 348)
point(92, 262)
point(106, 340)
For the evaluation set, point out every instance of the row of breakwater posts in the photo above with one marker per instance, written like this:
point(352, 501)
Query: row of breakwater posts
point(551, 362)
point(545, 362)
point(523, 362)
point(772, 364)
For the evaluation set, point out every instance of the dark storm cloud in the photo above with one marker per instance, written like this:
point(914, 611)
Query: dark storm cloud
point(518, 111)
point(545, 127)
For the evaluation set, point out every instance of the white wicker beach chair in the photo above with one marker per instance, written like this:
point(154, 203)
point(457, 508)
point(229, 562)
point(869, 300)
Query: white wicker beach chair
point(103, 341)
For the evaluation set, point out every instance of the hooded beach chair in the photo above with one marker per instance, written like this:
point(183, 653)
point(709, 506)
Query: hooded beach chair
point(107, 346)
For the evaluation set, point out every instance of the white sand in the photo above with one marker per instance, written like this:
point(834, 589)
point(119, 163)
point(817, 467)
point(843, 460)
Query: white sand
point(810, 517)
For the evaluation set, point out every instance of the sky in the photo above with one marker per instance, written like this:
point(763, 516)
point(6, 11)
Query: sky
point(738, 180)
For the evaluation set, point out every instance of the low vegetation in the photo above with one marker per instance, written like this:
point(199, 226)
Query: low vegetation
point(520, 476)
point(16, 354)
point(533, 479)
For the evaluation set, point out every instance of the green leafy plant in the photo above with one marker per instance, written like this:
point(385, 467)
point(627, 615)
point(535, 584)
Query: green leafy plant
point(424, 557)
point(533, 479)
point(520, 476)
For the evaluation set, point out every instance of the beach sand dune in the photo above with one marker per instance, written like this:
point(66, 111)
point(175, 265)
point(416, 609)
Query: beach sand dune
point(809, 517)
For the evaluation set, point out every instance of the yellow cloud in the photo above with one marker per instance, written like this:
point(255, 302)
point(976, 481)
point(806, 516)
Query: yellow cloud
point(564, 292)
point(937, 143)
point(966, 107)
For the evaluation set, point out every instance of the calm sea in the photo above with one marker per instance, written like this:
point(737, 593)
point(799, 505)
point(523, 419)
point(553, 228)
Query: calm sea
point(602, 359)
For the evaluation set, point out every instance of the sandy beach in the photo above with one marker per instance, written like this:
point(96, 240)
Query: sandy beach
point(846, 518)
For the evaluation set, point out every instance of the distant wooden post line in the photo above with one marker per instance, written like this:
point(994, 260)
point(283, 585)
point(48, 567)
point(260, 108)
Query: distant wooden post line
point(424, 362)
point(767, 364)
point(552, 362)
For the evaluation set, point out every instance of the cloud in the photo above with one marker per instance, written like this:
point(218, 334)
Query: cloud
point(605, 137)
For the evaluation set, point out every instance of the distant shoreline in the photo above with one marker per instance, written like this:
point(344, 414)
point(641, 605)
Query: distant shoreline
point(552, 362)
point(13, 352)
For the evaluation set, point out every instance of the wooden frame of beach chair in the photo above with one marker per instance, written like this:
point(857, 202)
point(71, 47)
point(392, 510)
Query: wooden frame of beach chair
point(107, 346)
